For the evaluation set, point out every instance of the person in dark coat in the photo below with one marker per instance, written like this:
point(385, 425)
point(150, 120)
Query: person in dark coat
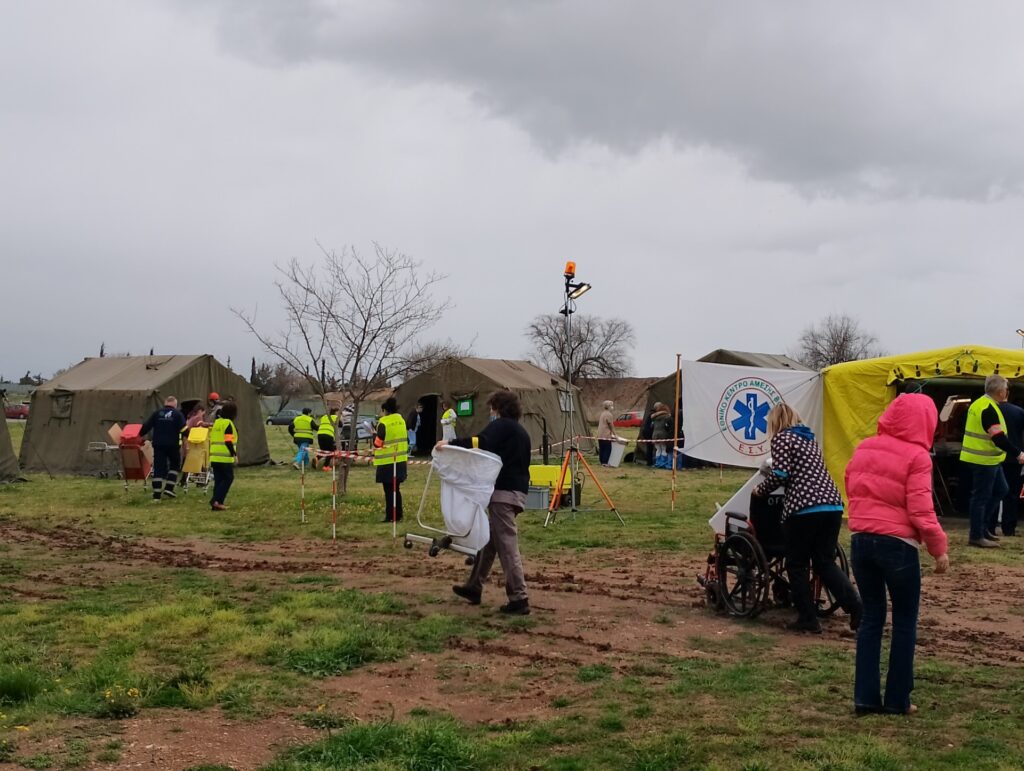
point(505, 437)
point(812, 515)
point(166, 425)
point(1013, 414)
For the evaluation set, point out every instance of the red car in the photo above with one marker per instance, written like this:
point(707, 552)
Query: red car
point(16, 411)
point(631, 419)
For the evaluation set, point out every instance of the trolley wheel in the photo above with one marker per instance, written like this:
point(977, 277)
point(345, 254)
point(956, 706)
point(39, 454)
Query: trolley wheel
point(407, 544)
point(823, 599)
point(470, 561)
point(742, 571)
point(434, 550)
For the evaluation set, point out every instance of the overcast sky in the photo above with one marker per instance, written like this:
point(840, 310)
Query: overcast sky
point(723, 173)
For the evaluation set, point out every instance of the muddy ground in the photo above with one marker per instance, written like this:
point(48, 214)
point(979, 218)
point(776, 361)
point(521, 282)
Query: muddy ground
point(615, 607)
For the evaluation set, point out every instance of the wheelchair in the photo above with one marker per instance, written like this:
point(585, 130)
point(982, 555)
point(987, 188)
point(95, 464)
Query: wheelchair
point(746, 569)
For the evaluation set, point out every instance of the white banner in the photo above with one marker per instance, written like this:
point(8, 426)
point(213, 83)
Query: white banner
point(725, 409)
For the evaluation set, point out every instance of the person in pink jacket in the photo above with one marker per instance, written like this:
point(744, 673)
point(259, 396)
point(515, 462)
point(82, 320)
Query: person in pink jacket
point(889, 486)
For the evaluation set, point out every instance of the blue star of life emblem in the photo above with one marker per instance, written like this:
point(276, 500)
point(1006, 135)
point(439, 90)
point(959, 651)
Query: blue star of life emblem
point(753, 417)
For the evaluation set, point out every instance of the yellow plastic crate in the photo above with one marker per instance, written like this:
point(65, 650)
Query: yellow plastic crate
point(547, 476)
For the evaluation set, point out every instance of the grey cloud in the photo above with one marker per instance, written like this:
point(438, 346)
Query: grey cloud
point(877, 100)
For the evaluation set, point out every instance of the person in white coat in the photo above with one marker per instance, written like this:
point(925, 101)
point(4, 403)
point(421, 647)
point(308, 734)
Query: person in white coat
point(448, 421)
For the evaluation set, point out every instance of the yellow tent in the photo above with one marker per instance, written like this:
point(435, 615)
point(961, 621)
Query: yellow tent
point(856, 393)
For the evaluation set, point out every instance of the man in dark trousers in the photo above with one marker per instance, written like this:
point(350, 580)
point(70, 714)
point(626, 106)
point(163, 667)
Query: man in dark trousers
point(166, 425)
point(505, 437)
point(1013, 414)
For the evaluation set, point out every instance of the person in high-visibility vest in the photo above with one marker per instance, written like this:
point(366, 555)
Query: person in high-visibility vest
point(390, 458)
point(223, 454)
point(325, 434)
point(302, 432)
point(985, 447)
point(448, 421)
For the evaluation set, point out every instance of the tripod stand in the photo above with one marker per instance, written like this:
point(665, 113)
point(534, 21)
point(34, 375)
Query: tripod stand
point(573, 454)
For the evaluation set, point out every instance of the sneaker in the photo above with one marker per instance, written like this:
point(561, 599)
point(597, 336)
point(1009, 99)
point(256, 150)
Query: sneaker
point(471, 595)
point(983, 543)
point(297, 466)
point(169, 494)
point(992, 536)
point(218, 507)
point(516, 608)
point(813, 627)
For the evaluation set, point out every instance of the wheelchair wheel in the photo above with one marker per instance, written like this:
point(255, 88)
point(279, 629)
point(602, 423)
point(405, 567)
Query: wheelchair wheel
point(742, 575)
point(823, 599)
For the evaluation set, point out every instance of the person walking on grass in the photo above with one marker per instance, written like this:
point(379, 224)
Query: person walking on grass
point(223, 454)
point(302, 432)
point(166, 425)
point(812, 515)
point(326, 429)
point(892, 512)
point(505, 437)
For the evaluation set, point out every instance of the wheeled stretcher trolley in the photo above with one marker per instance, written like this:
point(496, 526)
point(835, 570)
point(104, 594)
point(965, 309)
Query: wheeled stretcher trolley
point(467, 482)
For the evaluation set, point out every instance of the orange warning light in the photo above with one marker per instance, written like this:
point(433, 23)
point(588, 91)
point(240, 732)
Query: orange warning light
point(570, 269)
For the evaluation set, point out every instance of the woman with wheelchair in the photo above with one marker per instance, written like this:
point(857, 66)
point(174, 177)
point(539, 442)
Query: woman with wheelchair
point(889, 483)
point(812, 514)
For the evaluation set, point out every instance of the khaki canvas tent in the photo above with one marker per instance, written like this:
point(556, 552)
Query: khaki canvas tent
point(8, 462)
point(468, 382)
point(80, 405)
point(664, 390)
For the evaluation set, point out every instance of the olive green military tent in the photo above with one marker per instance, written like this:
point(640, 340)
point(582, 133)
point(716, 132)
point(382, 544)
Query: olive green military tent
point(8, 461)
point(78, 407)
point(468, 382)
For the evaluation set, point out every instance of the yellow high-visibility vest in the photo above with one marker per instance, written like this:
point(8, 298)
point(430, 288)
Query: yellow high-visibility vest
point(327, 424)
point(396, 442)
point(223, 431)
point(978, 447)
point(303, 425)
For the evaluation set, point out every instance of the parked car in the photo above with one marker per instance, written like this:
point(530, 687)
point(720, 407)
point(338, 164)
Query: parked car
point(16, 411)
point(283, 418)
point(631, 419)
point(362, 432)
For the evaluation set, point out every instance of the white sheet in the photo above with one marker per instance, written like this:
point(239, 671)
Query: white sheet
point(467, 481)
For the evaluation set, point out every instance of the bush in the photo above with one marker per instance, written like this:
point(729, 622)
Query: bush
point(19, 685)
point(119, 702)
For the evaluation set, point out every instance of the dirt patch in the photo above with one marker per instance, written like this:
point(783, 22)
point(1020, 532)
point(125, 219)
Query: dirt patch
point(621, 608)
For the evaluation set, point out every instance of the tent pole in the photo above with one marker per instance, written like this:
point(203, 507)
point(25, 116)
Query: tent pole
point(675, 435)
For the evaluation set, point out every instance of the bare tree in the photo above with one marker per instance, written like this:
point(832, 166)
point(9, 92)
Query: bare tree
point(432, 354)
point(598, 348)
point(835, 339)
point(353, 321)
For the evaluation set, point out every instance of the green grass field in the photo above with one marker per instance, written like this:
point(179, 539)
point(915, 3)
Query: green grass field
point(115, 613)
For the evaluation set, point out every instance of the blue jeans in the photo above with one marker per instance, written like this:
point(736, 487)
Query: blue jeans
point(988, 486)
point(302, 456)
point(882, 563)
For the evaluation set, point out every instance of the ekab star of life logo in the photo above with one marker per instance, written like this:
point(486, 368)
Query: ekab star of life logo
point(743, 414)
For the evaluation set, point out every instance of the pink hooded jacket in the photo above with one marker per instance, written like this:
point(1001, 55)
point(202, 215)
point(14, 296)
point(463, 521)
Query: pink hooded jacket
point(889, 478)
